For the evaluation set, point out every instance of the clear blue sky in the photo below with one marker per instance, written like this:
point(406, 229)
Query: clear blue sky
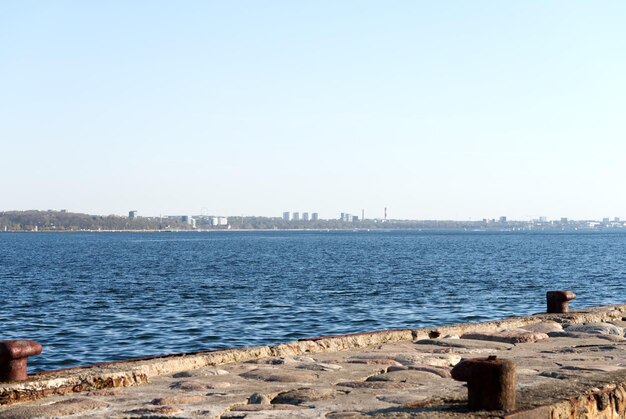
point(449, 110)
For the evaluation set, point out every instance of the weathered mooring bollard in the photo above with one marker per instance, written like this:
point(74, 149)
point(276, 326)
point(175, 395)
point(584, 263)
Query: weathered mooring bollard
point(13, 358)
point(490, 382)
point(558, 301)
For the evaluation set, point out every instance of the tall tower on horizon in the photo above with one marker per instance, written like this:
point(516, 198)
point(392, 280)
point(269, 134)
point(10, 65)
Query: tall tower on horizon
point(385, 213)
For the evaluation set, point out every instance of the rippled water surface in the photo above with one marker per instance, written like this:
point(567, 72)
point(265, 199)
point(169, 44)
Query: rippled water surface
point(96, 297)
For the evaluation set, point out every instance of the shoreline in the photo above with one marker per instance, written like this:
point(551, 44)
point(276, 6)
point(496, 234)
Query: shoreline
point(365, 230)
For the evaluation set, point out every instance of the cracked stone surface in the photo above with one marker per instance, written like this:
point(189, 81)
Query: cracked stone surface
point(406, 376)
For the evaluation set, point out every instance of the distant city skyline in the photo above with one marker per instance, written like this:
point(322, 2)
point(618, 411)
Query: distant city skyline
point(343, 216)
point(434, 110)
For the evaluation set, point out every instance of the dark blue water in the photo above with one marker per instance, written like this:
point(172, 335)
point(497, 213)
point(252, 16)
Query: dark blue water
point(97, 297)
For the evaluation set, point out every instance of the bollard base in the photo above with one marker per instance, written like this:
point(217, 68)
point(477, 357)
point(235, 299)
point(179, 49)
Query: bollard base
point(14, 358)
point(490, 382)
point(558, 301)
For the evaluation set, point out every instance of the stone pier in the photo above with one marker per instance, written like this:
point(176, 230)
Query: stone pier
point(567, 365)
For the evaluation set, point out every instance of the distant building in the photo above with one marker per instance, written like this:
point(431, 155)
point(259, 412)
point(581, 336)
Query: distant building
point(315, 216)
point(132, 214)
point(605, 220)
point(543, 219)
point(564, 220)
point(296, 216)
point(185, 219)
point(503, 219)
point(355, 218)
point(346, 217)
point(286, 216)
point(305, 216)
point(218, 221)
point(616, 220)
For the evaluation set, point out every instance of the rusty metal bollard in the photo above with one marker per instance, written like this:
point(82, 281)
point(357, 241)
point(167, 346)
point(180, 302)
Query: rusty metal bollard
point(13, 358)
point(558, 301)
point(490, 382)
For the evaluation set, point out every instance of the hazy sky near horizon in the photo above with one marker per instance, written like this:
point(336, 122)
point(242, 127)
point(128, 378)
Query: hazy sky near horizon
point(449, 110)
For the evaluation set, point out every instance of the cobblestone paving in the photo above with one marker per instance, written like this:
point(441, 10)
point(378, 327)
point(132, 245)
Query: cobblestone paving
point(408, 378)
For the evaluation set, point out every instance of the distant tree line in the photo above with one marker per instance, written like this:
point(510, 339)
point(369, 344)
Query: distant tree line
point(68, 221)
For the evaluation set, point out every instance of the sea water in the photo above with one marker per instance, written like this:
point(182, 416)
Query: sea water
point(98, 297)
